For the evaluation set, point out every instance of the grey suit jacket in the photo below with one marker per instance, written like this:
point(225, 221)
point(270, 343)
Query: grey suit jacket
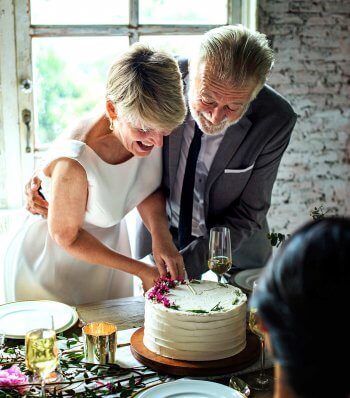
point(239, 184)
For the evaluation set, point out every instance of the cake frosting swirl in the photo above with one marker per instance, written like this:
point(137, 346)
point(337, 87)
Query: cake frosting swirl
point(195, 321)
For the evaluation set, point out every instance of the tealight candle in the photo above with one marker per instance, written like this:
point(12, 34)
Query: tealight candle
point(100, 342)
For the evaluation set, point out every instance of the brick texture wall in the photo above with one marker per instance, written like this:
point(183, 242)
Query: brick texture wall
point(311, 40)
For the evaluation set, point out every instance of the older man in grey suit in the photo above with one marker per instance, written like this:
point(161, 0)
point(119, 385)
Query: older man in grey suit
point(247, 127)
point(236, 132)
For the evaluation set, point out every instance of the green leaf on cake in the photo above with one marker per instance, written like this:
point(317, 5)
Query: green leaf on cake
point(198, 311)
point(235, 300)
point(217, 307)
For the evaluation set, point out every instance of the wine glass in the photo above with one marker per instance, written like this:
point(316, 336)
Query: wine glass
point(41, 320)
point(41, 353)
point(262, 381)
point(220, 257)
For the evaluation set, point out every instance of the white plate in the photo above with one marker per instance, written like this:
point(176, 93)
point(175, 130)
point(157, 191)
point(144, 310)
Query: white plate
point(190, 389)
point(246, 278)
point(19, 317)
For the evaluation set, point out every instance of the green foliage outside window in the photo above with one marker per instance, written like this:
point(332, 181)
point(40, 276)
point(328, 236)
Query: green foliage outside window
point(64, 95)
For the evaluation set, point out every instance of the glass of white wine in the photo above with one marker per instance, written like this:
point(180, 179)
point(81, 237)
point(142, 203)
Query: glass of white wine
point(220, 256)
point(41, 353)
point(262, 381)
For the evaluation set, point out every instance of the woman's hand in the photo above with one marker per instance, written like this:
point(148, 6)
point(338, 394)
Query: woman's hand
point(165, 254)
point(168, 258)
point(148, 276)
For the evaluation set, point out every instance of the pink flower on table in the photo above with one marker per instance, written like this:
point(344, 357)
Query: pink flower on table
point(13, 378)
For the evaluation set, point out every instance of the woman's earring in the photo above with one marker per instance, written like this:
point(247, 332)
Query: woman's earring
point(111, 124)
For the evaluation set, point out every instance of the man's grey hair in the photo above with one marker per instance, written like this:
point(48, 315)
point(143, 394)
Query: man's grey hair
point(236, 55)
point(146, 87)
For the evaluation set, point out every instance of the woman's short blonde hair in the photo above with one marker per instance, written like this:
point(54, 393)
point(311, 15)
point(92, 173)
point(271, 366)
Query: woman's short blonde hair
point(236, 55)
point(146, 87)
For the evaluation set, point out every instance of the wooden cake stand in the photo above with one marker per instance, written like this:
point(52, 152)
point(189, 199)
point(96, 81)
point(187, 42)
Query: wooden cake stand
point(177, 367)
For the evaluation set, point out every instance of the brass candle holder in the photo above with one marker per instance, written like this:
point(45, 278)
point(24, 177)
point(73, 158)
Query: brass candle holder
point(100, 342)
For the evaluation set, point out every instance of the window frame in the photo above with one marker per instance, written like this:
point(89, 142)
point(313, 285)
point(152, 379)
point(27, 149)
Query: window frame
point(21, 154)
point(238, 11)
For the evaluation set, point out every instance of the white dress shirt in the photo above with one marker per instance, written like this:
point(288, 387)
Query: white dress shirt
point(209, 147)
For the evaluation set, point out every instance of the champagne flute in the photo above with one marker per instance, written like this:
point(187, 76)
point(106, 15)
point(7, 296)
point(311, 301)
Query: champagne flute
point(41, 353)
point(220, 257)
point(40, 320)
point(262, 381)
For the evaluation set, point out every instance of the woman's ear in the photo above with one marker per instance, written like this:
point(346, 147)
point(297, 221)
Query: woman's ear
point(111, 111)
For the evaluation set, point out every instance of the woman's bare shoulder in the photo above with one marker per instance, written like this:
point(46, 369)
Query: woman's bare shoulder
point(65, 167)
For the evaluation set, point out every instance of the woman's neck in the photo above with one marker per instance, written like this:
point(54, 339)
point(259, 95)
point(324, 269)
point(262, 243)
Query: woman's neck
point(107, 143)
point(281, 390)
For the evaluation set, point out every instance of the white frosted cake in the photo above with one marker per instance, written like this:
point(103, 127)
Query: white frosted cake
point(195, 321)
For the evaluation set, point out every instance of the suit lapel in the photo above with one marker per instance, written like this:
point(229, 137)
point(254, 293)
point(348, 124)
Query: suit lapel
point(228, 147)
point(175, 141)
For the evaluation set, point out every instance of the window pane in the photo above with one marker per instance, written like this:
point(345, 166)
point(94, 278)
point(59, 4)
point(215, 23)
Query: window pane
point(69, 76)
point(207, 12)
point(182, 46)
point(79, 12)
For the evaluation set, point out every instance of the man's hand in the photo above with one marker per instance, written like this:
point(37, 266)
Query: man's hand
point(35, 203)
point(168, 259)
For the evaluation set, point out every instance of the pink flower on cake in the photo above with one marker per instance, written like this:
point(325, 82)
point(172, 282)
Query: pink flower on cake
point(161, 288)
point(13, 378)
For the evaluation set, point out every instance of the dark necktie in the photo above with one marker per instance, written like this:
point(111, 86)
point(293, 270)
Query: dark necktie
point(186, 204)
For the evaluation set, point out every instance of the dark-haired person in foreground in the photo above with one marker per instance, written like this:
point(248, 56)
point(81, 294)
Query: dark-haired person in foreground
point(303, 302)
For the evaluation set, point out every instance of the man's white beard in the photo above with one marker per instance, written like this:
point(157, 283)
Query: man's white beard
point(205, 125)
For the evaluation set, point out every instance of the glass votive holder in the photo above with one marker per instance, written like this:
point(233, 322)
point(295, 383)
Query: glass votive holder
point(100, 342)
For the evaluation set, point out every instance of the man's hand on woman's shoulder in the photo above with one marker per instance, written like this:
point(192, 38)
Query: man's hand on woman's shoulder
point(35, 202)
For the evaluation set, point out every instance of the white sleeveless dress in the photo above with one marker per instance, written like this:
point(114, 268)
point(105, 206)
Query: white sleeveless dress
point(35, 267)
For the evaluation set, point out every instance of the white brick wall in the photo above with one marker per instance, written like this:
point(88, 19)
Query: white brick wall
point(312, 70)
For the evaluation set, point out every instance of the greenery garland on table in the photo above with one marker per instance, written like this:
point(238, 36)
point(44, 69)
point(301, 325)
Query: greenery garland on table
point(80, 380)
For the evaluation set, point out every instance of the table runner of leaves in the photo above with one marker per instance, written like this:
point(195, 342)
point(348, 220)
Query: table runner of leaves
point(79, 379)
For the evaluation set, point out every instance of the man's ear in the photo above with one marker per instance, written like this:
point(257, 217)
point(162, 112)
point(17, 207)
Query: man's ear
point(111, 111)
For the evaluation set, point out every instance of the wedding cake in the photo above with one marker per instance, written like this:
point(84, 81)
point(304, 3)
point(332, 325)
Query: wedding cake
point(195, 320)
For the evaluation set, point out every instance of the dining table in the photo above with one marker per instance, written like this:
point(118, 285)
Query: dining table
point(128, 313)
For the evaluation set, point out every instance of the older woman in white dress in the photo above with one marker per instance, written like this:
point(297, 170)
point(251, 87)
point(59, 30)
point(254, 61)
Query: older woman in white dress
point(92, 178)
